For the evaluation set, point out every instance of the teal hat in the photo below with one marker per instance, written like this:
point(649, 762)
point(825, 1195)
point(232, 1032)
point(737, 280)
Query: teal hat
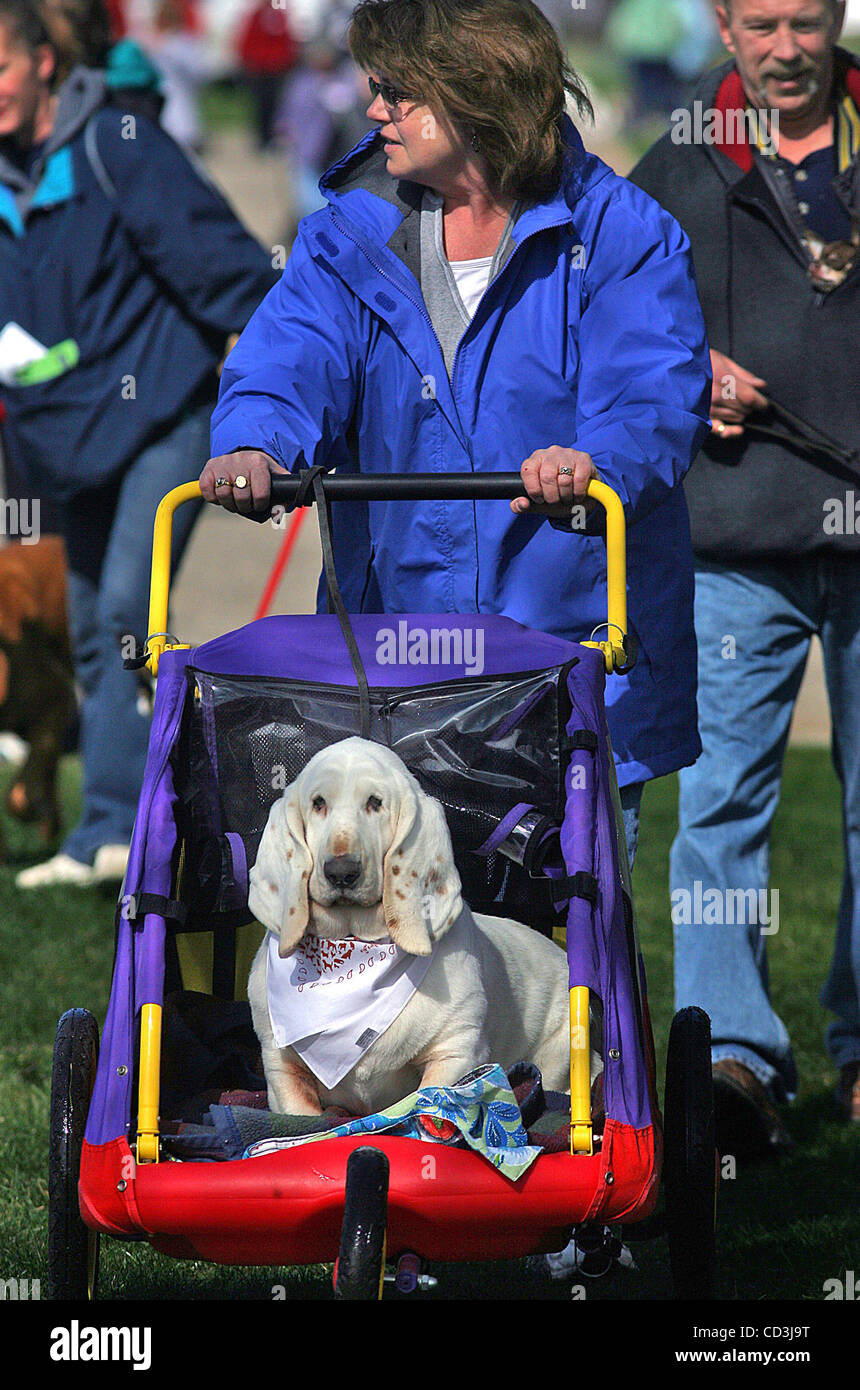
point(128, 65)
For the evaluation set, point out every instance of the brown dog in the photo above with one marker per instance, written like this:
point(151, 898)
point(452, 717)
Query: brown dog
point(37, 693)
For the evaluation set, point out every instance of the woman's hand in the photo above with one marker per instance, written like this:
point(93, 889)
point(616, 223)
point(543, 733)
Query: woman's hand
point(735, 393)
point(241, 482)
point(556, 479)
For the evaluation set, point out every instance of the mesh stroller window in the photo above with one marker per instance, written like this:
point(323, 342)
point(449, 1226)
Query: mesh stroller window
point(480, 745)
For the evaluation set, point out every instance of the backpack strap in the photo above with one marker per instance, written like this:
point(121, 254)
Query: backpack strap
point(96, 164)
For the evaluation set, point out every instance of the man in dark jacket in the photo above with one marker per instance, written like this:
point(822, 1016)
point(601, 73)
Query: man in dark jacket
point(763, 173)
point(123, 274)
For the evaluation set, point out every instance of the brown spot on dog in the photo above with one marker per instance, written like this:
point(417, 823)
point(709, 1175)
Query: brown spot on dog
point(395, 869)
point(292, 911)
point(398, 894)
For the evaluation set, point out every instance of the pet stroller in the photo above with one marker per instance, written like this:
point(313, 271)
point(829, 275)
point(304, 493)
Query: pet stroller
point(518, 755)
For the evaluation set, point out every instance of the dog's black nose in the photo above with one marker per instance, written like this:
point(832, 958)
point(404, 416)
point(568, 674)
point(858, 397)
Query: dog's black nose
point(342, 870)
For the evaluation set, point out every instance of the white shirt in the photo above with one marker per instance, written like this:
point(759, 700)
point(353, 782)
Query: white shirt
point(472, 279)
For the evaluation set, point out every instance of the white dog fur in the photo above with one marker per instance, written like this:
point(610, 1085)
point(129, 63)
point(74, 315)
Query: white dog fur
point(495, 990)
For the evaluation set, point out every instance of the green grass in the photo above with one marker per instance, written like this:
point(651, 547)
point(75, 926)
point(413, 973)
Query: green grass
point(783, 1230)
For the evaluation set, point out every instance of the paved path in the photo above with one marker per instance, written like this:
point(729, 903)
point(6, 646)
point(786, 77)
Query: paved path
point(229, 559)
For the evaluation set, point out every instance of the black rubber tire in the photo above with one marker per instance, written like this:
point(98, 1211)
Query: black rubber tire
point(361, 1260)
point(690, 1156)
point(72, 1247)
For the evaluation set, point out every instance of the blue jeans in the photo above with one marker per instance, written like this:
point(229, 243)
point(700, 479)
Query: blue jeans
point(631, 802)
point(108, 535)
point(754, 627)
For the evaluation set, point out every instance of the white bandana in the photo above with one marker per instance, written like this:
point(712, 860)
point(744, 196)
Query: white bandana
point(331, 1000)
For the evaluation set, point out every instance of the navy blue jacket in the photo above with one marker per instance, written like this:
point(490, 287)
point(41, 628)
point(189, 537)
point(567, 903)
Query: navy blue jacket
point(116, 241)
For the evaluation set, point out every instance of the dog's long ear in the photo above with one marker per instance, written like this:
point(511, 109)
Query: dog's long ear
point(278, 882)
point(420, 885)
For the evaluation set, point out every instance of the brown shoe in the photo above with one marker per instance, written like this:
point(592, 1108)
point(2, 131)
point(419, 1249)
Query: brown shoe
point(848, 1093)
point(746, 1121)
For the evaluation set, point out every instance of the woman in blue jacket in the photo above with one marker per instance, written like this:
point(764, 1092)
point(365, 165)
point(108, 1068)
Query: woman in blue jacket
point(481, 294)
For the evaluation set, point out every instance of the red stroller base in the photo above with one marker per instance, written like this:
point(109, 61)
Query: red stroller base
point(444, 1204)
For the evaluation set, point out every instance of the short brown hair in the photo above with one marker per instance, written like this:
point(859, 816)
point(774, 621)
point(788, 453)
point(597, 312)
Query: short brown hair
point(89, 37)
point(23, 22)
point(495, 67)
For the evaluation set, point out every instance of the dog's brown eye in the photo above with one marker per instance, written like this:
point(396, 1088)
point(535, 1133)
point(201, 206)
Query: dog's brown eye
point(374, 803)
point(318, 803)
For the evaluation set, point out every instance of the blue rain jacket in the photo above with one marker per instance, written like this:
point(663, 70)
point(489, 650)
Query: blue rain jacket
point(590, 336)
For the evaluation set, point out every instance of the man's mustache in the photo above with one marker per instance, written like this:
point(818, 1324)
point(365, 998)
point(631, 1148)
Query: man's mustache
point(788, 74)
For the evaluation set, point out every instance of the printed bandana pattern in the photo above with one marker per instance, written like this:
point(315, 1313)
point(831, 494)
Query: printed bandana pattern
point(331, 1000)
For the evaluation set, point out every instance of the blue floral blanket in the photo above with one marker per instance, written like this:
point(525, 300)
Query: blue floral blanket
point(481, 1110)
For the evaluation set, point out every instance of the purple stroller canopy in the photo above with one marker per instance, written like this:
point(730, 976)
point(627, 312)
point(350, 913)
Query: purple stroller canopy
point(402, 650)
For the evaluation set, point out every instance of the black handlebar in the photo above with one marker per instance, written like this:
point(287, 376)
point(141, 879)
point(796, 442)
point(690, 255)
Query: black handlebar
point(402, 487)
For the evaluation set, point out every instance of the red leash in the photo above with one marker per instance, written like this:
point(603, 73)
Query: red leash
point(281, 562)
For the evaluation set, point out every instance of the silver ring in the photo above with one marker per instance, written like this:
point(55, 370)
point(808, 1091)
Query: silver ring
point(222, 482)
point(565, 470)
point(241, 481)
point(720, 427)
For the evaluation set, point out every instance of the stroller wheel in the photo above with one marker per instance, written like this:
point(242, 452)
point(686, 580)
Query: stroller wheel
point(72, 1248)
point(690, 1156)
point(360, 1267)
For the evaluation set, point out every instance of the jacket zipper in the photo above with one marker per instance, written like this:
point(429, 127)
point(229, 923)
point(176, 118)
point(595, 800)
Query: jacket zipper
point(422, 309)
point(419, 305)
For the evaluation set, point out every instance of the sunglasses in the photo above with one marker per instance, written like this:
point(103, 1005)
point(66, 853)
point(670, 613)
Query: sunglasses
point(390, 95)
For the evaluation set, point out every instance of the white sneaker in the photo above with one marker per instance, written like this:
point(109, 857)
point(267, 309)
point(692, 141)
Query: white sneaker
point(110, 864)
point(61, 870)
point(13, 749)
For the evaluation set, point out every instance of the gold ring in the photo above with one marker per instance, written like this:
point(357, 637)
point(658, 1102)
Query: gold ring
point(222, 482)
point(720, 427)
point(241, 481)
point(566, 470)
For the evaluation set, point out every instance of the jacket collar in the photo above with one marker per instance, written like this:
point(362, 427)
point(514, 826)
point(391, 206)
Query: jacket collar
point(81, 94)
point(362, 190)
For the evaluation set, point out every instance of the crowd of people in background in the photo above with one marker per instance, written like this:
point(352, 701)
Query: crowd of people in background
point(290, 59)
point(307, 99)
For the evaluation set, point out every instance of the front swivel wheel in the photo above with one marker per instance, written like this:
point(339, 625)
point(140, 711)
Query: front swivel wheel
point(360, 1267)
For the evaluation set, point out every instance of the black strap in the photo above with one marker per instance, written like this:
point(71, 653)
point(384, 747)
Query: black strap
point(223, 962)
point(579, 738)
point(335, 601)
point(306, 491)
point(138, 904)
point(803, 432)
point(579, 885)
